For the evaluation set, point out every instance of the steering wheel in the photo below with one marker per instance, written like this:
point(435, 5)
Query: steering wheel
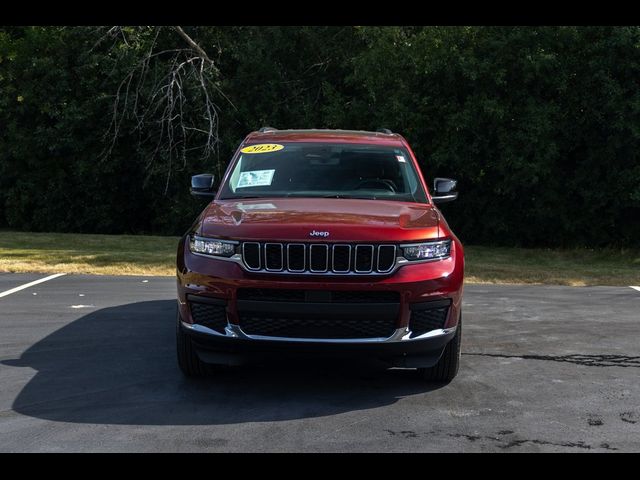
point(388, 184)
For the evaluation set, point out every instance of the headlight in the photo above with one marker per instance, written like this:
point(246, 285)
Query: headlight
point(212, 246)
point(427, 250)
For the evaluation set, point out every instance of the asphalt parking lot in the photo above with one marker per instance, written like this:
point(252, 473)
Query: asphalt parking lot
point(87, 363)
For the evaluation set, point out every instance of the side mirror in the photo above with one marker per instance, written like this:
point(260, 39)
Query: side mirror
point(203, 185)
point(443, 190)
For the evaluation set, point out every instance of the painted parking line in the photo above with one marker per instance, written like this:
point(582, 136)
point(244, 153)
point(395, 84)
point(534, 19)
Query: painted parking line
point(30, 284)
point(635, 288)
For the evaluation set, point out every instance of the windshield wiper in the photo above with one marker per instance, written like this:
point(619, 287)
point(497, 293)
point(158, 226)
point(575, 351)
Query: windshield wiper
point(304, 195)
point(310, 195)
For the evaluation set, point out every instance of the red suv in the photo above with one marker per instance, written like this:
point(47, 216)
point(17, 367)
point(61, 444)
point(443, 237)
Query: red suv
point(321, 242)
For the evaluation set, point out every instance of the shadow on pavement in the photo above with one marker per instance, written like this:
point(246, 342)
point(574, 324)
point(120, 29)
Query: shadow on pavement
point(117, 365)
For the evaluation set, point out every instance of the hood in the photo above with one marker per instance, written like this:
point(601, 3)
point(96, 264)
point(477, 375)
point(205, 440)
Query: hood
point(325, 219)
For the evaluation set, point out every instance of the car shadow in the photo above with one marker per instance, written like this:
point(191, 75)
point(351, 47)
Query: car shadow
point(118, 365)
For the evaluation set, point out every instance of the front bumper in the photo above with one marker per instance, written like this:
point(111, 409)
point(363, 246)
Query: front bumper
point(212, 280)
point(236, 348)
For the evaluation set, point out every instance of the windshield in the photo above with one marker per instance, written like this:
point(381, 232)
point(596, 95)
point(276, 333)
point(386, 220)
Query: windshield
point(324, 170)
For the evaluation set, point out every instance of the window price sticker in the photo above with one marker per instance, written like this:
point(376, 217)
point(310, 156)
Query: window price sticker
point(255, 178)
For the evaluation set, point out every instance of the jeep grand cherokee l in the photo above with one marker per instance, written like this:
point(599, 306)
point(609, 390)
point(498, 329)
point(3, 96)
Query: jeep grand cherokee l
point(324, 242)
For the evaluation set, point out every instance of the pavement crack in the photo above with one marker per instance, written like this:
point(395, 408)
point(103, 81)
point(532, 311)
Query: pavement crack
point(517, 443)
point(602, 360)
point(629, 417)
point(473, 438)
point(506, 444)
point(502, 443)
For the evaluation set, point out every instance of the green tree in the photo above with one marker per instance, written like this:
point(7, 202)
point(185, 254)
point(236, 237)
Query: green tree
point(539, 124)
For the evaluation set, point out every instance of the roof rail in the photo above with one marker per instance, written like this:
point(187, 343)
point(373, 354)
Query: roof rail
point(384, 130)
point(267, 129)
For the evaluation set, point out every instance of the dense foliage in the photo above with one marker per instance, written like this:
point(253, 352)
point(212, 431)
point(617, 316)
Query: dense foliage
point(541, 126)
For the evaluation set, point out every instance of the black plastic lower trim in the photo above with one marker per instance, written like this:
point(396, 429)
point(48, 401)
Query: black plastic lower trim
point(202, 299)
point(430, 304)
point(233, 351)
point(351, 310)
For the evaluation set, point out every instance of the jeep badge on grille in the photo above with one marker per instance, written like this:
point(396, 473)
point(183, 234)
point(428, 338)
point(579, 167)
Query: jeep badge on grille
point(314, 233)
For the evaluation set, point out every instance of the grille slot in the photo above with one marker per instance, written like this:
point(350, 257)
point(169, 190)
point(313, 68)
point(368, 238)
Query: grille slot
point(210, 316)
point(386, 257)
point(364, 258)
point(273, 257)
point(319, 258)
point(296, 257)
point(341, 258)
point(251, 255)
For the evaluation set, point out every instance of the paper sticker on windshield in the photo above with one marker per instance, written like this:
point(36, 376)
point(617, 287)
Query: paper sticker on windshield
point(255, 178)
point(400, 158)
point(262, 148)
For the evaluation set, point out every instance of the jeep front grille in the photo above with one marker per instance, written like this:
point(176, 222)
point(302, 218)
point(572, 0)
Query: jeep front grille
point(318, 258)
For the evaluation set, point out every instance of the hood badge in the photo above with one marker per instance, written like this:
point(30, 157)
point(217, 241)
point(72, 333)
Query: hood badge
point(315, 233)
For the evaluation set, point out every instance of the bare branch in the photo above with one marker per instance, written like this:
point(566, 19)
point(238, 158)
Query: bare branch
point(168, 96)
point(193, 44)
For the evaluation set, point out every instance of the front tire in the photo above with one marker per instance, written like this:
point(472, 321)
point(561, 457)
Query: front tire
point(188, 359)
point(447, 367)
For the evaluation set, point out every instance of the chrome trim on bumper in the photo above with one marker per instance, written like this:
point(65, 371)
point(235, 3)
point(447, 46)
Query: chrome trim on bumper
point(400, 335)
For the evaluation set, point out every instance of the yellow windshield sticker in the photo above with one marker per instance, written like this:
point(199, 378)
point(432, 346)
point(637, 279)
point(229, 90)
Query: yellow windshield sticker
point(262, 148)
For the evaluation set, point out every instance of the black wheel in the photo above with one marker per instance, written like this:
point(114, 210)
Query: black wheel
point(447, 367)
point(188, 359)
